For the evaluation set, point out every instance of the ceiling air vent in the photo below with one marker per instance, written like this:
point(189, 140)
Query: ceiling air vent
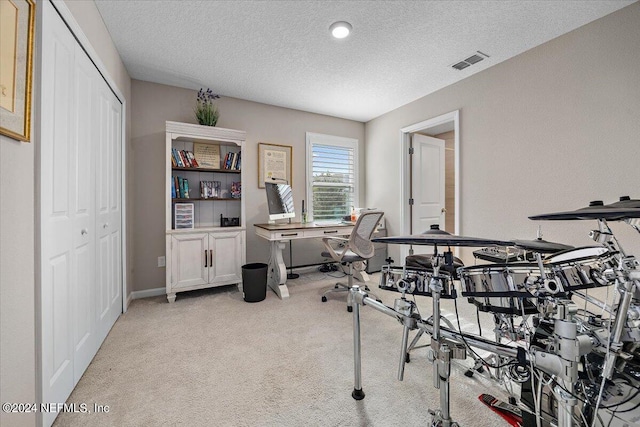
point(473, 59)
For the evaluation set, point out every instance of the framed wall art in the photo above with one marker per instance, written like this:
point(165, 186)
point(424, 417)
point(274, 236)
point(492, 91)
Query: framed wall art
point(17, 19)
point(274, 163)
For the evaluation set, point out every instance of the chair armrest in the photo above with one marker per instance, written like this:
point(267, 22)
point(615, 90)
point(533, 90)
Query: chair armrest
point(337, 256)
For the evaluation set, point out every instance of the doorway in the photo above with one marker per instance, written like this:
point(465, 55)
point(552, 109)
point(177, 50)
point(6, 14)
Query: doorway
point(444, 127)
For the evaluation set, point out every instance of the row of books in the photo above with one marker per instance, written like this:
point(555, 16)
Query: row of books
point(179, 187)
point(210, 189)
point(183, 159)
point(232, 161)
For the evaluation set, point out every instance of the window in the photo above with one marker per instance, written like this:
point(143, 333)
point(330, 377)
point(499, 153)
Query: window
point(332, 176)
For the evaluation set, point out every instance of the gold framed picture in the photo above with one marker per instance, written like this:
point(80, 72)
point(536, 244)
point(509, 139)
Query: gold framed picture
point(274, 163)
point(17, 19)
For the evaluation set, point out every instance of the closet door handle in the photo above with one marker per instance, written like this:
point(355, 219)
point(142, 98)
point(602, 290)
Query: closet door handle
point(205, 258)
point(210, 257)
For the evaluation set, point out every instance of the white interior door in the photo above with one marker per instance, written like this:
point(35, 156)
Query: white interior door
point(427, 186)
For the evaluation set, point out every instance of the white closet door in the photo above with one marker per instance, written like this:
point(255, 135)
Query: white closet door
point(58, 234)
point(80, 220)
point(83, 203)
point(109, 212)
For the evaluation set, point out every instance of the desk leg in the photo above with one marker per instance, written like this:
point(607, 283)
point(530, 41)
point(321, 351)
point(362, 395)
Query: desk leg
point(277, 273)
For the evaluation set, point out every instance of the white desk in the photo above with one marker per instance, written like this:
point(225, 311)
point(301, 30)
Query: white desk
point(278, 234)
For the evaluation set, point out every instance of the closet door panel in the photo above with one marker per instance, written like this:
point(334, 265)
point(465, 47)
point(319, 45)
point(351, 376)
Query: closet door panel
point(115, 208)
point(108, 222)
point(56, 211)
point(85, 342)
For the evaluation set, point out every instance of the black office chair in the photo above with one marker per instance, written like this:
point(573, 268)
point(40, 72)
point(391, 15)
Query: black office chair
point(357, 249)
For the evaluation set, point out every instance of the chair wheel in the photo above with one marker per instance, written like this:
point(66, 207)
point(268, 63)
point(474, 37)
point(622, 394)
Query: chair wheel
point(379, 300)
point(407, 358)
point(480, 369)
point(336, 286)
point(349, 308)
point(468, 373)
point(324, 299)
point(366, 288)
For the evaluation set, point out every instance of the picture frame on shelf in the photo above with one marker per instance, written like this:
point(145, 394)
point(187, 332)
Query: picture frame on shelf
point(207, 155)
point(17, 21)
point(274, 163)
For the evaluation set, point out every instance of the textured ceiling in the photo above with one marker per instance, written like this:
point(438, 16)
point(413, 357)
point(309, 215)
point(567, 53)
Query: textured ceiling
point(281, 52)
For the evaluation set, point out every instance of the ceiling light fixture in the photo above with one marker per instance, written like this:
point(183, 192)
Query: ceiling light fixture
point(340, 29)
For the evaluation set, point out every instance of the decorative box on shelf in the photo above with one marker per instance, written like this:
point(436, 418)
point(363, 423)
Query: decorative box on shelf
point(183, 215)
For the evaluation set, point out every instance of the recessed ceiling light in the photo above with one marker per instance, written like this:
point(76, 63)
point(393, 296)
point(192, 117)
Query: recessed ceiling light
point(340, 29)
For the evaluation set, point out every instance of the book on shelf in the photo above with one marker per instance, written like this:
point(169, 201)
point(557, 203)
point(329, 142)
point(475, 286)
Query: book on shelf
point(185, 161)
point(177, 158)
point(173, 187)
point(236, 190)
point(182, 187)
point(186, 188)
point(192, 159)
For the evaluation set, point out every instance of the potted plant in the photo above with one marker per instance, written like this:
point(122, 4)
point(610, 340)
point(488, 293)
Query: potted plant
point(206, 111)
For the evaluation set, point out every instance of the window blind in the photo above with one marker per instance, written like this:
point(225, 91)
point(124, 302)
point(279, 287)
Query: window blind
point(333, 181)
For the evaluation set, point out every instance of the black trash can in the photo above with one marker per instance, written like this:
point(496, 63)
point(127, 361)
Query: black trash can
point(254, 282)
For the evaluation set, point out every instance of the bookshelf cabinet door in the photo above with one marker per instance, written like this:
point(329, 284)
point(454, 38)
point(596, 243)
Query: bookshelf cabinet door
point(226, 249)
point(189, 260)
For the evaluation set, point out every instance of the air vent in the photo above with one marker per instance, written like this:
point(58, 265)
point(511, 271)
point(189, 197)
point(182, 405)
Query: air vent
point(473, 59)
point(461, 65)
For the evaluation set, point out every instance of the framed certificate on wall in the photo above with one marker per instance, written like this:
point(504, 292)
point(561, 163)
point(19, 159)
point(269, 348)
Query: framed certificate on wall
point(274, 163)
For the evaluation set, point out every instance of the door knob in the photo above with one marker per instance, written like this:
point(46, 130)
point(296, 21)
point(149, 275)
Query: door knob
point(443, 210)
point(84, 231)
point(105, 225)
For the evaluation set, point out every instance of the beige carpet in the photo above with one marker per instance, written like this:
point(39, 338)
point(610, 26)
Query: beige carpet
point(211, 359)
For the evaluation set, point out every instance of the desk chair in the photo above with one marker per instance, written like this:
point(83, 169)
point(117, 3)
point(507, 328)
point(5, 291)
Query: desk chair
point(357, 248)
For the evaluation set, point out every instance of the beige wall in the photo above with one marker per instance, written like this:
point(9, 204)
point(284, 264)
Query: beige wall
point(17, 283)
point(154, 104)
point(17, 237)
point(546, 131)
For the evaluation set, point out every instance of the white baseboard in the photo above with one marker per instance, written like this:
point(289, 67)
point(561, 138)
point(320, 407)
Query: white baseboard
point(148, 293)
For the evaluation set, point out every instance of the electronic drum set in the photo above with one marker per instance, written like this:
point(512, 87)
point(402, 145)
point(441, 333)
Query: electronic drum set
point(570, 362)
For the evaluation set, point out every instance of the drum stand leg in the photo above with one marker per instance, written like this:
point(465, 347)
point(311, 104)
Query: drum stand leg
point(413, 344)
point(357, 393)
point(407, 309)
point(441, 354)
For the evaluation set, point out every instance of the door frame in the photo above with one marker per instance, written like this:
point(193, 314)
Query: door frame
point(75, 29)
point(405, 163)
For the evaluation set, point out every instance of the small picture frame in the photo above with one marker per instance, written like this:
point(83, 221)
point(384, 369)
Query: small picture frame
point(17, 19)
point(274, 163)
